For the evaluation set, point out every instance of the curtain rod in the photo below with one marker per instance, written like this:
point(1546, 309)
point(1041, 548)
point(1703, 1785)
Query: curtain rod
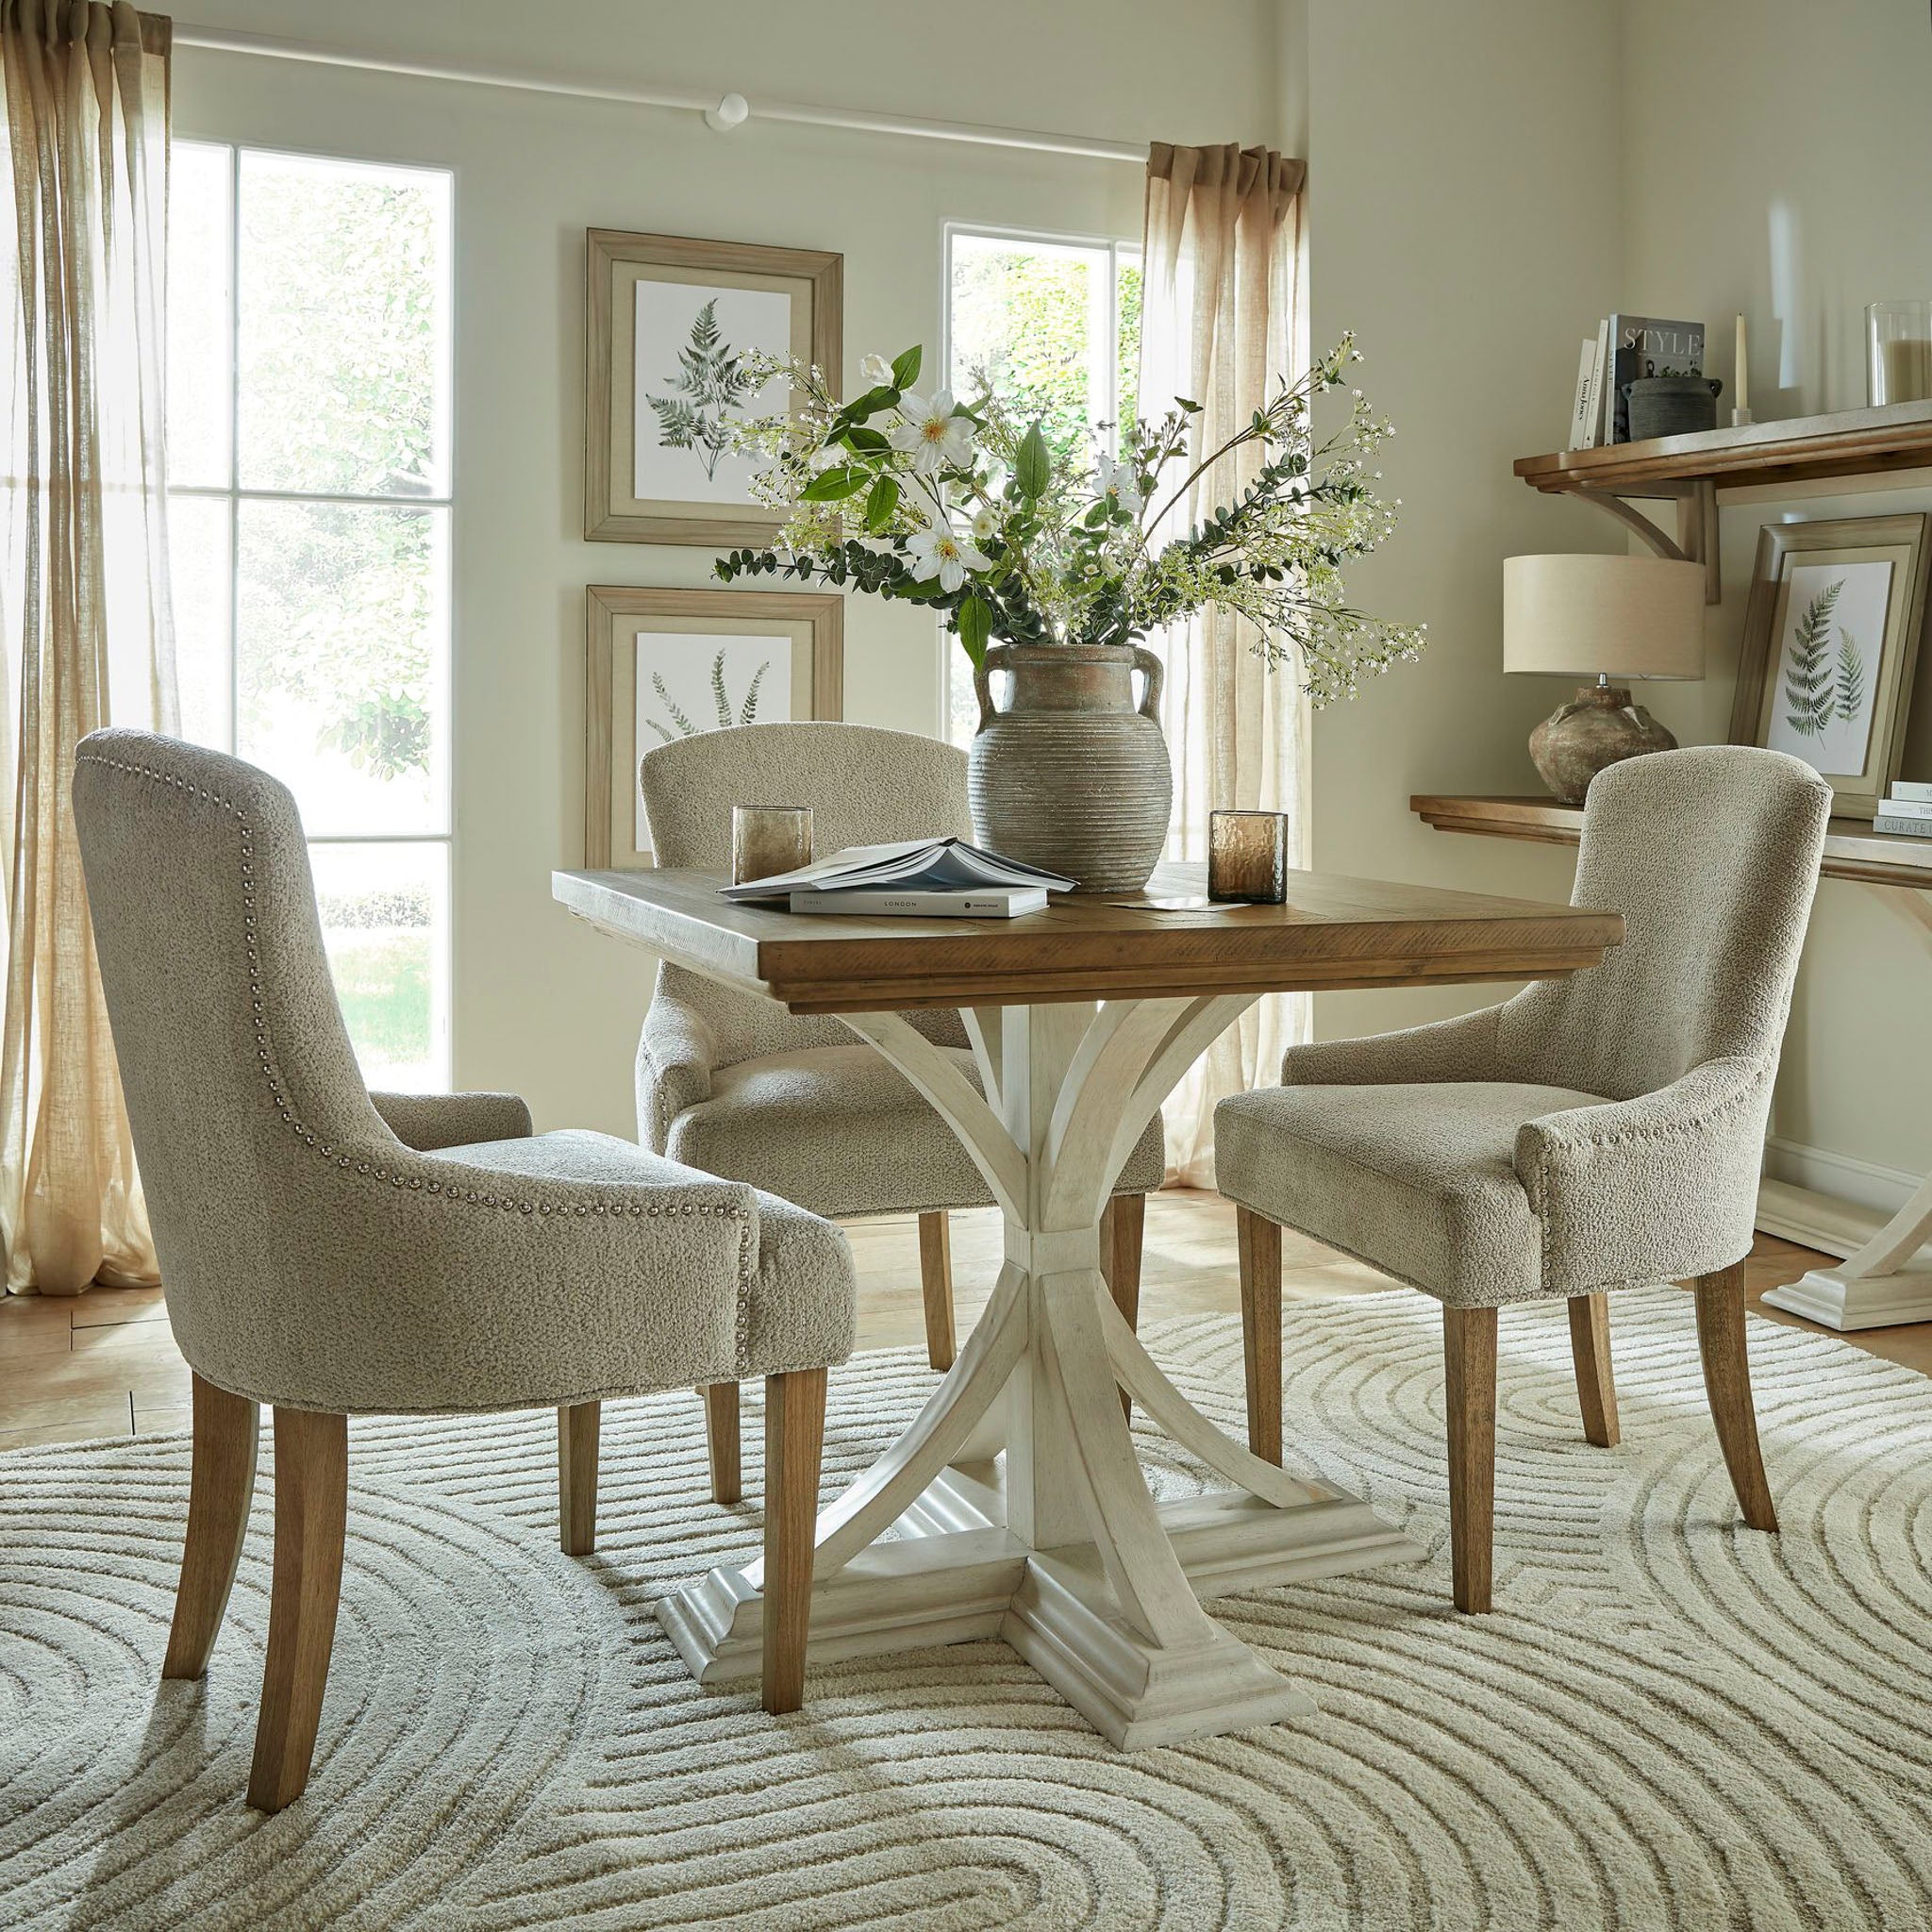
point(721, 114)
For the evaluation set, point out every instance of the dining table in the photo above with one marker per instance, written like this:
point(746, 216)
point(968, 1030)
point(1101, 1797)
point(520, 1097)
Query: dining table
point(1015, 1506)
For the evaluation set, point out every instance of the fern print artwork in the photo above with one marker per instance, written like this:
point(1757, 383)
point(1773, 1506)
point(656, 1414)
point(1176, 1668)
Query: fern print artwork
point(727, 715)
point(710, 381)
point(1807, 671)
point(694, 382)
point(1819, 703)
point(689, 682)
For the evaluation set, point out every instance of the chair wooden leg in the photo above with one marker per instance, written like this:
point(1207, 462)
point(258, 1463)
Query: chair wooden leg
point(1123, 1228)
point(1727, 1381)
point(936, 1286)
point(1596, 1382)
point(795, 1444)
point(721, 1439)
point(311, 1500)
point(1259, 1242)
point(221, 1483)
point(1469, 1355)
point(578, 1428)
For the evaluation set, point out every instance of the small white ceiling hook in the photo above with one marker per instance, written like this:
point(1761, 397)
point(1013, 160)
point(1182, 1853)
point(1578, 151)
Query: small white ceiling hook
point(731, 112)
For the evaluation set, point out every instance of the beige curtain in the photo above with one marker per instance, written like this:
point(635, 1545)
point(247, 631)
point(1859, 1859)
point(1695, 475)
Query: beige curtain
point(85, 589)
point(1221, 324)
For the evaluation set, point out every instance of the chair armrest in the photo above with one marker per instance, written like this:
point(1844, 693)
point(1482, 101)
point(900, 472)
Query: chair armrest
point(677, 1053)
point(429, 1120)
point(1655, 1189)
point(1459, 1049)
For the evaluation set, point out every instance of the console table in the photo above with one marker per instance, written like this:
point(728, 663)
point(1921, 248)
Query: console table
point(1884, 1278)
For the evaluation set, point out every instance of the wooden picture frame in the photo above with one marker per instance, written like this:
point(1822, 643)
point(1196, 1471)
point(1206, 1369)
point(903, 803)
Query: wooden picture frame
point(810, 624)
point(1831, 643)
point(650, 299)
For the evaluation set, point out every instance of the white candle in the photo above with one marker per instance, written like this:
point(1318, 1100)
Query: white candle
point(1742, 399)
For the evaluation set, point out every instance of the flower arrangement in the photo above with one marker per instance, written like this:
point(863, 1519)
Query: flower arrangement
point(964, 507)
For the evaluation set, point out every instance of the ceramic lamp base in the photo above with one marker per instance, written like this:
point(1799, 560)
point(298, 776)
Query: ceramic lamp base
point(1599, 727)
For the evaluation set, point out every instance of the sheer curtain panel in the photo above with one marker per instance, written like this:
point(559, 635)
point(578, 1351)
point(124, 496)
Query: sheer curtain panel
point(1221, 324)
point(85, 587)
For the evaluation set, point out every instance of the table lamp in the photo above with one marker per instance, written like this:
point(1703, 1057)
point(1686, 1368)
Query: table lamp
point(1630, 616)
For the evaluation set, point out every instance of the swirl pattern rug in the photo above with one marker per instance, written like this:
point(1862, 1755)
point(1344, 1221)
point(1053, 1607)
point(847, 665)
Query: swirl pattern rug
point(1670, 1722)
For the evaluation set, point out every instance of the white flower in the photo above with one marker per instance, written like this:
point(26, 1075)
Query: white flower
point(985, 524)
point(1118, 481)
point(941, 551)
point(877, 371)
point(932, 433)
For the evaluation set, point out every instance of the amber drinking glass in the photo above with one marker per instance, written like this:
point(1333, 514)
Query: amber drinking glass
point(1247, 856)
point(768, 839)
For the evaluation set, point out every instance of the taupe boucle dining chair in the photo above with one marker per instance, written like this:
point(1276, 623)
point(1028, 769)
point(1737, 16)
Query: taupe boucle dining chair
point(335, 1253)
point(1598, 1132)
point(733, 1084)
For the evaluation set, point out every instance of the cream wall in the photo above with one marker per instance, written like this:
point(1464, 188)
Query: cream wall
point(542, 1005)
point(1463, 221)
point(1776, 154)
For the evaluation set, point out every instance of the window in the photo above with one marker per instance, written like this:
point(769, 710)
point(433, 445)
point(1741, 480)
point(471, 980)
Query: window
point(1056, 324)
point(308, 405)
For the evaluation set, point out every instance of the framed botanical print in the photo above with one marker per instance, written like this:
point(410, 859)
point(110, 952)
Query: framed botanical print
point(672, 325)
point(1831, 639)
point(668, 664)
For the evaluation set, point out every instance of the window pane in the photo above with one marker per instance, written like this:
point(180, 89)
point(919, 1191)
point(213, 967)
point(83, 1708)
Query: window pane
point(1127, 299)
point(198, 566)
point(343, 660)
point(1033, 317)
point(200, 318)
point(344, 332)
point(384, 922)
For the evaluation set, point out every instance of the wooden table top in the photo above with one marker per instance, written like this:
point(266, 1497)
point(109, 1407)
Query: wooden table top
point(1852, 849)
point(1333, 932)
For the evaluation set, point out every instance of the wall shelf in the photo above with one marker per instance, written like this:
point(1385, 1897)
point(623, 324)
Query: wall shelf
point(1852, 849)
point(1692, 469)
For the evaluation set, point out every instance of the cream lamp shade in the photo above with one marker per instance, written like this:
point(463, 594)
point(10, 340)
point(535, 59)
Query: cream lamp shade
point(1626, 616)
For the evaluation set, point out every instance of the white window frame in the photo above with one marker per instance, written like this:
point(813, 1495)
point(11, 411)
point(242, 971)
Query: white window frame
point(1117, 251)
point(443, 963)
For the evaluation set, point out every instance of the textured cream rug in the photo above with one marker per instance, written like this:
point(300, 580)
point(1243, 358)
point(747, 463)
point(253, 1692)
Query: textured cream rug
point(1670, 1722)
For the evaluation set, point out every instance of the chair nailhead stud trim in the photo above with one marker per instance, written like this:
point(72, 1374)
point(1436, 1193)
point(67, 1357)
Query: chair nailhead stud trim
point(724, 1210)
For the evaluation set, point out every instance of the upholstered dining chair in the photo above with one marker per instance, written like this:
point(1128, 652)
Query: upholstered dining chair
point(1593, 1133)
point(730, 1083)
point(334, 1252)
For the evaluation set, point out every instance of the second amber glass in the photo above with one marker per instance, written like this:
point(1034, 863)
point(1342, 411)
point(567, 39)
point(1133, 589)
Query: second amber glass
point(767, 839)
point(1247, 856)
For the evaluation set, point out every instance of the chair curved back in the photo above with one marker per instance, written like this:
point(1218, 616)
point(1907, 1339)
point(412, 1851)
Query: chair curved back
point(1711, 856)
point(864, 785)
point(233, 1055)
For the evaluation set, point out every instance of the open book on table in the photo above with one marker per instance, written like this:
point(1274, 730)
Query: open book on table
point(909, 865)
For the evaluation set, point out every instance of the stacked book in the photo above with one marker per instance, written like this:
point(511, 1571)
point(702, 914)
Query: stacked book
point(1908, 807)
point(1626, 347)
point(918, 878)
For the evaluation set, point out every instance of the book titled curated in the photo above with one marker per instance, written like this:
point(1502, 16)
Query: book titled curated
point(1646, 345)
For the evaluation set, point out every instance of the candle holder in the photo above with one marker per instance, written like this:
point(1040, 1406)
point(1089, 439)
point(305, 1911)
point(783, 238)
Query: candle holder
point(1898, 352)
point(1247, 858)
point(768, 839)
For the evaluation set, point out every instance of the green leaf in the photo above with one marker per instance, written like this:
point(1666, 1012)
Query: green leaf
point(975, 626)
point(905, 368)
point(829, 486)
point(870, 404)
point(1033, 464)
point(880, 505)
point(855, 437)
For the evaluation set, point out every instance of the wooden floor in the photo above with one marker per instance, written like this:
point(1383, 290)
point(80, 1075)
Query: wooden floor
point(104, 1363)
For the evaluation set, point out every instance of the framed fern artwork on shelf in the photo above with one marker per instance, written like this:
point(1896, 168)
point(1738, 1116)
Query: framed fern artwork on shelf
point(666, 664)
point(674, 325)
point(1831, 644)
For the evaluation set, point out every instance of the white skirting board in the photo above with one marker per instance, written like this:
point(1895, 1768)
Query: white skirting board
point(1846, 1297)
